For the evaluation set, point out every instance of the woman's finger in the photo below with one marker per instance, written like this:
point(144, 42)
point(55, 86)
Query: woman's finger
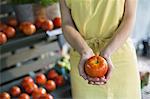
point(108, 75)
point(96, 83)
point(99, 83)
point(81, 70)
point(103, 79)
point(110, 69)
point(96, 79)
point(91, 82)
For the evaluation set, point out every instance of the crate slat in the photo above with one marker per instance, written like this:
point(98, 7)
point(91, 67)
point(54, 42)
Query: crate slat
point(31, 53)
point(24, 69)
point(21, 41)
point(8, 86)
point(6, 8)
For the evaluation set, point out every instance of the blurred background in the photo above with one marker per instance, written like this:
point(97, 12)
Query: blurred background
point(34, 54)
point(141, 39)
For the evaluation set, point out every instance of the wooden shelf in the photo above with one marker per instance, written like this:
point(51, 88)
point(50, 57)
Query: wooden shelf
point(22, 41)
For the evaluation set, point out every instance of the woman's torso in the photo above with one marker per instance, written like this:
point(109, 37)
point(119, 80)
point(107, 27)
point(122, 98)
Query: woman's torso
point(97, 18)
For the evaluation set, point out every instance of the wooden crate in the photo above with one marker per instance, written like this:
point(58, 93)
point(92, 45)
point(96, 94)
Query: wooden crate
point(38, 56)
point(29, 60)
point(26, 60)
point(27, 55)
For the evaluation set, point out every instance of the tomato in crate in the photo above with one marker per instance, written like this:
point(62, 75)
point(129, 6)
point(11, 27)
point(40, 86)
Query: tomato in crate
point(40, 79)
point(50, 85)
point(46, 96)
point(52, 74)
point(24, 96)
point(28, 84)
point(27, 80)
point(3, 38)
point(9, 31)
point(59, 80)
point(15, 91)
point(4, 95)
point(39, 22)
point(47, 25)
point(29, 88)
point(27, 28)
point(12, 22)
point(2, 26)
point(57, 22)
point(37, 93)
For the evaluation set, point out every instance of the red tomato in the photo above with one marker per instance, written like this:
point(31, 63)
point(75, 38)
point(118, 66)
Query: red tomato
point(9, 31)
point(35, 87)
point(40, 79)
point(26, 80)
point(27, 28)
point(3, 38)
point(52, 74)
point(47, 25)
point(24, 96)
point(2, 26)
point(59, 80)
point(42, 90)
point(37, 93)
point(4, 95)
point(15, 91)
point(57, 22)
point(12, 22)
point(50, 85)
point(46, 96)
point(30, 87)
point(39, 21)
point(96, 66)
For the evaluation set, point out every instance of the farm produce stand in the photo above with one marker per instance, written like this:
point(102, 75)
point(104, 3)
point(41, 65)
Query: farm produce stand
point(28, 55)
point(23, 55)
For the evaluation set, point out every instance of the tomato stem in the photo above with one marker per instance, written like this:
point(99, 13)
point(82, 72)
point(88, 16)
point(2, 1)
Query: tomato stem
point(96, 62)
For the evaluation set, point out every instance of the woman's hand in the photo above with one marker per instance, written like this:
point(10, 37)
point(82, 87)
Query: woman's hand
point(110, 69)
point(84, 56)
point(94, 81)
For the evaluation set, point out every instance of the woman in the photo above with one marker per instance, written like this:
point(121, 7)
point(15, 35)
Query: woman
point(101, 27)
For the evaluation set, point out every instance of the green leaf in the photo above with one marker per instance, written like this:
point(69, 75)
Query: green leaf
point(47, 2)
point(42, 2)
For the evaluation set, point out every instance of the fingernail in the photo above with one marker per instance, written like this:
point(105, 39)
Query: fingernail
point(92, 83)
point(97, 83)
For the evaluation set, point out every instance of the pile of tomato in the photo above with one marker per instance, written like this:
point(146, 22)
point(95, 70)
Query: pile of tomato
point(8, 29)
point(39, 87)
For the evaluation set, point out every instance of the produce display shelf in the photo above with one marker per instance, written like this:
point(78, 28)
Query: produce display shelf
point(63, 92)
point(20, 40)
